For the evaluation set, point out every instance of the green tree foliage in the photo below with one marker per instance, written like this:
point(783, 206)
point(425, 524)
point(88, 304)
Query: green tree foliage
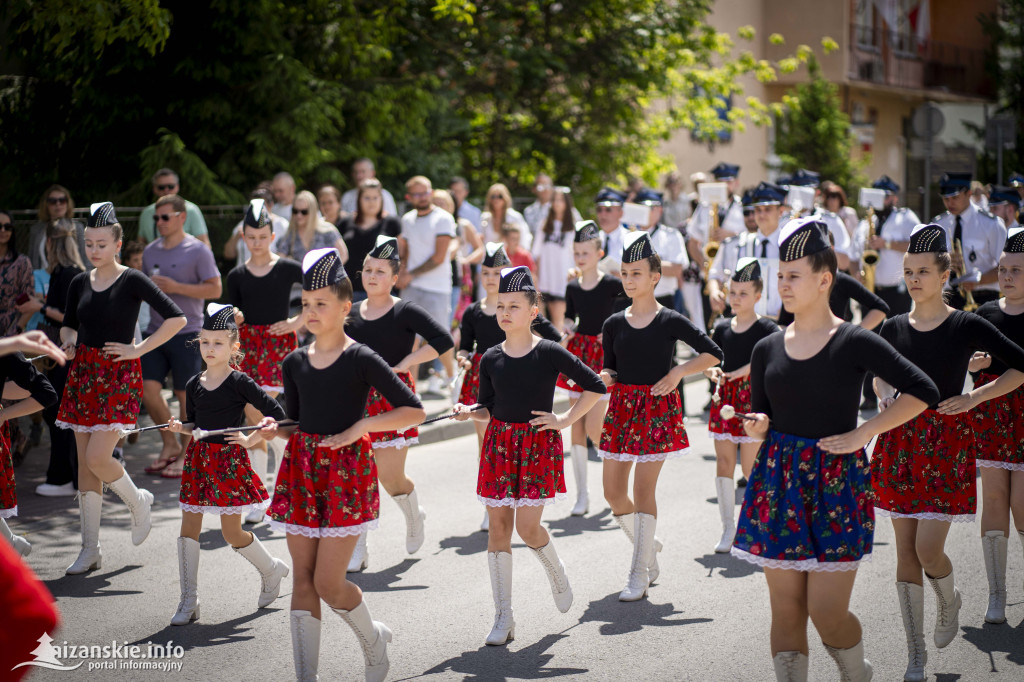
point(814, 132)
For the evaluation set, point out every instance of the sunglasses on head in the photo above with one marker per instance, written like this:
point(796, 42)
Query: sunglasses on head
point(164, 216)
point(163, 188)
point(56, 200)
point(301, 211)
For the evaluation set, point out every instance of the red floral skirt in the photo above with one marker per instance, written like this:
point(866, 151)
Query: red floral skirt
point(640, 427)
point(8, 491)
point(263, 355)
point(101, 394)
point(591, 352)
point(520, 466)
point(999, 428)
point(737, 394)
point(378, 404)
point(924, 469)
point(218, 479)
point(471, 382)
point(323, 493)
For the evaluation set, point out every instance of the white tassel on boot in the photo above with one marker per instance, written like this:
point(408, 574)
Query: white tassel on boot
point(414, 516)
point(360, 555)
point(790, 666)
point(853, 667)
point(90, 506)
point(504, 630)
point(993, 544)
point(643, 553)
point(305, 645)
point(139, 503)
point(911, 598)
point(271, 570)
point(626, 523)
point(726, 489)
point(373, 638)
point(553, 566)
point(947, 609)
point(579, 470)
point(258, 461)
point(188, 575)
point(20, 544)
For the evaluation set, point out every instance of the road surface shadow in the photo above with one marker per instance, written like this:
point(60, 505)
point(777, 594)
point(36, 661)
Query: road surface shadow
point(212, 538)
point(90, 584)
point(620, 618)
point(991, 639)
point(383, 581)
point(499, 663)
point(728, 565)
point(578, 525)
point(201, 633)
point(465, 545)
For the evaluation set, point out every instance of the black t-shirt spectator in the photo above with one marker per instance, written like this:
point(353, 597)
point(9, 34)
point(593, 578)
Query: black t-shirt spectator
point(360, 242)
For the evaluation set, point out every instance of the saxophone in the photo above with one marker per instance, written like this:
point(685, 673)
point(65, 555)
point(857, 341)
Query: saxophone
point(970, 305)
point(870, 256)
point(711, 248)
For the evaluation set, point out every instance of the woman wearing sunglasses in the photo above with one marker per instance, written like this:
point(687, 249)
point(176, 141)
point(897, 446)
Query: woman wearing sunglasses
point(56, 207)
point(499, 212)
point(307, 231)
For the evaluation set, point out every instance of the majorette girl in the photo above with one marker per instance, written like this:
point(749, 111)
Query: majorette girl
point(104, 389)
point(589, 301)
point(736, 336)
point(923, 473)
point(644, 423)
point(389, 326)
point(260, 289)
point(999, 429)
point(217, 477)
point(479, 330)
point(326, 490)
point(521, 467)
point(807, 517)
point(34, 393)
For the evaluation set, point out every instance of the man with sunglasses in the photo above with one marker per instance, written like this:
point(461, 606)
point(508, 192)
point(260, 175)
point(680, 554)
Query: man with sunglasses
point(167, 183)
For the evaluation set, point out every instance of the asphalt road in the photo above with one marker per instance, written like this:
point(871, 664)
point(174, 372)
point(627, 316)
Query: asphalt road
point(706, 619)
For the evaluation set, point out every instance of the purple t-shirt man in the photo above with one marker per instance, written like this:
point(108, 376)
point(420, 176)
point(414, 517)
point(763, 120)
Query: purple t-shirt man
point(190, 262)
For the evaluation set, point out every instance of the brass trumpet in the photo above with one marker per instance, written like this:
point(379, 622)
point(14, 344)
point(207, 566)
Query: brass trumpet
point(711, 248)
point(970, 305)
point(870, 257)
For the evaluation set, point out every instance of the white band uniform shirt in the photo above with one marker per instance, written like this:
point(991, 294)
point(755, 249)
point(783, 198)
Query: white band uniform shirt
point(731, 220)
point(766, 251)
point(983, 238)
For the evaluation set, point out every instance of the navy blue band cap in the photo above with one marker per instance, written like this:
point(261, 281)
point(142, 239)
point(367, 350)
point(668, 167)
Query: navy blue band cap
point(257, 215)
point(219, 317)
point(495, 256)
point(586, 230)
point(747, 270)
point(802, 237)
point(610, 197)
point(1016, 180)
point(951, 184)
point(102, 215)
point(725, 171)
point(386, 248)
point(1015, 241)
point(636, 246)
point(1004, 195)
point(649, 197)
point(321, 268)
point(886, 183)
point(514, 280)
point(928, 238)
point(767, 194)
point(805, 178)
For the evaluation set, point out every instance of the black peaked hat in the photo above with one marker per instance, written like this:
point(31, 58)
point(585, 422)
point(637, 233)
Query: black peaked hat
point(516, 279)
point(495, 256)
point(219, 317)
point(636, 246)
point(747, 270)
point(802, 237)
point(257, 215)
point(386, 248)
point(1015, 241)
point(928, 238)
point(586, 230)
point(102, 214)
point(321, 268)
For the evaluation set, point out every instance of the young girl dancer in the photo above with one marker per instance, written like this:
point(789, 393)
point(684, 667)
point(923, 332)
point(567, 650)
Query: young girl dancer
point(104, 389)
point(389, 326)
point(521, 464)
point(923, 472)
point(479, 330)
point(736, 337)
point(33, 393)
point(644, 424)
point(326, 490)
point(261, 289)
point(217, 478)
point(999, 430)
point(806, 516)
point(589, 301)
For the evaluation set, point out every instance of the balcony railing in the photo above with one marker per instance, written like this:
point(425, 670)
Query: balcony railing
point(880, 56)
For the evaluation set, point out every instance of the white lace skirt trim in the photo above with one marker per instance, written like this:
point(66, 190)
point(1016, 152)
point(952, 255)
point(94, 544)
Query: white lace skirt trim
point(221, 511)
point(335, 532)
point(8, 513)
point(575, 395)
point(523, 502)
point(994, 464)
point(96, 427)
point(396, 443)
point(734, 439)
point(656, 457)
point(272, 389)
point(807, 565)
point(931, 516)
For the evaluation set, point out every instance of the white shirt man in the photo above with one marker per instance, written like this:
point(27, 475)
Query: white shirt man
point(667, 243)
point(609, 219)
point(982, 234)
point(283, 187)
point(363, 169)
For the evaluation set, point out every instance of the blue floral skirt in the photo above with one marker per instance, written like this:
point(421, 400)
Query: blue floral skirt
point(806, 509)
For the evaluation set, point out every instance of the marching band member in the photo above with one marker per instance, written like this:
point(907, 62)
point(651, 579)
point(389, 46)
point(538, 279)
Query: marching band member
point(923, 472)
point(104, 389)
point(668, 243)
point(730, 215)
point(217, 477)
point(608, 212)
point(893, 225)
point(1005, 204)
point(806, 516)
point(389, 326)
point(736, 336)
point(521, 466)
point(326, 490)
point(644, 423)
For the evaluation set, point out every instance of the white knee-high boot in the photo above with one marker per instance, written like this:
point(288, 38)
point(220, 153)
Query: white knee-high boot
point(726, 489)
point(20, 544)
point(626, 523)
point(373, 639)
point(853, 667)
point(643, 554)
point(90, 506)
point(188, 575)
point(947, 609)
point(139, 503)
point(360, 555)
point(504, 630)
point(993, 545)
point(555, 569)
point(911, 598)
point(790, 666)
point(258, 461)
point(579, 470)
point(414, 516)
point(305, 645)
point(271, 570)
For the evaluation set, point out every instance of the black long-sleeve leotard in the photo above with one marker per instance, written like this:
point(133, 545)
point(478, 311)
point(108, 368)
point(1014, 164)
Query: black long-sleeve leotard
point(644, 356)
point(481, 331)
point(224, 406)
point(392, 334)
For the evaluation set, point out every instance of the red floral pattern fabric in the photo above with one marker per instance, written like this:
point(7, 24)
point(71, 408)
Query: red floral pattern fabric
point(591, 352)
point(520, 466)
point(471, 382)
point(999, 428)
point(377, 404)
point(641, 427)
point(737, 394)
point(218, 478)
point(263, 355)
point(101, 394)
point(8, 490)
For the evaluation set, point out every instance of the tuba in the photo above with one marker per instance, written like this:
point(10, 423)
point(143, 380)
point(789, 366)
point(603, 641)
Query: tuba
point(870, 257)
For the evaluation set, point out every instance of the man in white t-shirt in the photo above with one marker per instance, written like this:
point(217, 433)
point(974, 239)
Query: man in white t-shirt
point(283, 188)
point(426, 276)
point(363, 169)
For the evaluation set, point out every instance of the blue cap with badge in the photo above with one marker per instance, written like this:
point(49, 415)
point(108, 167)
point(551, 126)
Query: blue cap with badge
point(805, 178)
point(886, 183)
point(1004, 195)
point(649, 197)
point(951, 184)
point(610, 197)
point(725, 171)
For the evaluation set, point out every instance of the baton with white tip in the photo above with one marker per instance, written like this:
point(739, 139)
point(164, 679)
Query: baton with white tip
point(729, 412)
point(201, 434)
